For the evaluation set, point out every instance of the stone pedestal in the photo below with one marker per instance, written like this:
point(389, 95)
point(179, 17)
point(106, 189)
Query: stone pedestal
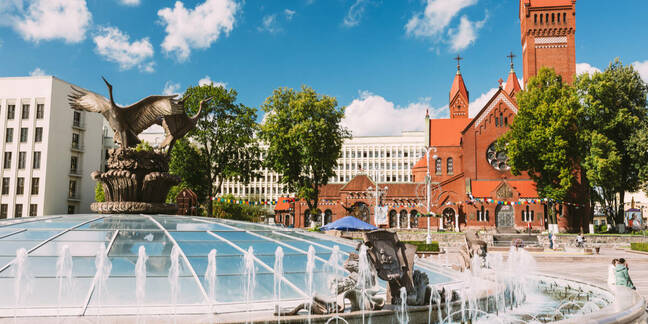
point(136, 182)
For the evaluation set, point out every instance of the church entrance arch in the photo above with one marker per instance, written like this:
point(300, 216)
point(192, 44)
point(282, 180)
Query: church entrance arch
point(448, 216)
point(392, 218)
point(328, 216)
point(504, 216)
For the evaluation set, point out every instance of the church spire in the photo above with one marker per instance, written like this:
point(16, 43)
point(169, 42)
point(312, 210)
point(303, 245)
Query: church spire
point(512, 83)
point(458, 94)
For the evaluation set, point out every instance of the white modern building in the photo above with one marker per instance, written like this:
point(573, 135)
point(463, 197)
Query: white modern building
point(390, 157)
point(48, 150)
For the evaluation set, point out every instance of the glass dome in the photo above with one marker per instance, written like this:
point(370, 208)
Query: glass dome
point(40, 286)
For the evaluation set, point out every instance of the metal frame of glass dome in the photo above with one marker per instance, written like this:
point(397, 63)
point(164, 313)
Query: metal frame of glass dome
point(122, 235)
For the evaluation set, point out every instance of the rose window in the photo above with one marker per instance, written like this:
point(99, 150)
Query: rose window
point(498, 160)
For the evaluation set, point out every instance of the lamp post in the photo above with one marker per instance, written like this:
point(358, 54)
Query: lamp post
point(428, 180)
point(377, 192)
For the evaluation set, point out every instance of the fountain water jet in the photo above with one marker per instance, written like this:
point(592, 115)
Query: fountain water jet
point(64, 272)
point(310, 268)
point(278, 274)
point(174, 273)
point(364, 275)
point(22, 277)
point(104, 266)
point(210, 275)
point(248, 275)
point(140, 276)
point(403, 317)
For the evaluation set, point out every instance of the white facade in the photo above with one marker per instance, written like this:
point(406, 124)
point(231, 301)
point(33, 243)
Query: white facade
point(392, 157)
point(47, 149)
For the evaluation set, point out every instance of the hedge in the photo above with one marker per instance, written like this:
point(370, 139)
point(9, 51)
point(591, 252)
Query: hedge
point(422, 247)
point(639, 246)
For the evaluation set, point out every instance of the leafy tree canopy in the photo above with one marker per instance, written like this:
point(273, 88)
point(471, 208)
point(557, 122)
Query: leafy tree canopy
point(304, 137)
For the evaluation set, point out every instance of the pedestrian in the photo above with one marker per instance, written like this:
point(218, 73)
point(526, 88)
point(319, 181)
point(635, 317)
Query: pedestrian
point(551, 242)
point(611, 278)
point(621, 274)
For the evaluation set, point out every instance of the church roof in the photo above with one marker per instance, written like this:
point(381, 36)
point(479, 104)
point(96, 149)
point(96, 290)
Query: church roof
point(447, 131)
point(483, 112)
point(283, 204)
point(550, 3)
point(512, 84)
point(359, 183)
point(484, 188)
point(458, 87)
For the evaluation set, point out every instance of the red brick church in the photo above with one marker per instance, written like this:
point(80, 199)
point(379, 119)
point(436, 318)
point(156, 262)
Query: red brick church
point(471, 185)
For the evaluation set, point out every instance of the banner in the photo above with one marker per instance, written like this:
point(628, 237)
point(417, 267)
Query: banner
point(380, 214)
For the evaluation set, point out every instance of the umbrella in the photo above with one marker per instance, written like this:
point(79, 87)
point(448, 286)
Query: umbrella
point(348, 223)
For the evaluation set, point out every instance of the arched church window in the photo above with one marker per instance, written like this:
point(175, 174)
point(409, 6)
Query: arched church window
point(535, 18)
point(541, 18)
point(501, 119)
point(558, 17)
point(437, 166)
point(553, 18)
point(505, 121)
point(564, 17)
point(496, 122)
point(546, 18)
point(450, 166)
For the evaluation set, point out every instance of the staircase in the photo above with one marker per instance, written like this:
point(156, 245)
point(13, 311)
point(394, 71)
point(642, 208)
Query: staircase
point(506, 239)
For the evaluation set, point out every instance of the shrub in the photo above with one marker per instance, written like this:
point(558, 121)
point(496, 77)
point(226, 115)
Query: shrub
point(422, 247)
point(99, 193)
point(639, 246)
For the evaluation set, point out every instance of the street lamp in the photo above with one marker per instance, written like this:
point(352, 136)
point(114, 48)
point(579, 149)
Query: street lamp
point(377, 192)
point(428, 180)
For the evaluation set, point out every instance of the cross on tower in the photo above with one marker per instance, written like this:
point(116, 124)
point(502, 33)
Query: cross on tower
point(500, 82)
point(511, 56)
point(458, 59)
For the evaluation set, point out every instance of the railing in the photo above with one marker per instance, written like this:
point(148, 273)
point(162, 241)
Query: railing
point(74, 196)
point(77, 146)
point(79, 125)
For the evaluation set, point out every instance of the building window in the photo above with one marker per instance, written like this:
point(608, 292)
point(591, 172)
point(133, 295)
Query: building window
point(33, 210)
point(437, 166)
point(564, 17)
point(23, 134)
point(18, 211)
point(40, 111)
point(4, 208)
point(74, 164)
point(75, 140)
point(70, 209)
point(38, 135)
point(535, 18)
point(5, 186)
point(77, 119)
point(25, 112)
point(72, 189)
point(7, 160)
point(11, 111)
point(20, 186)
point(501, 119)
point(22, 158)
point(9, 135)
point(481, 216)
point(450, 166)
point(527, 216)
point(34, 186)
point(36, 162)
point(558, 17)
point(541, 18)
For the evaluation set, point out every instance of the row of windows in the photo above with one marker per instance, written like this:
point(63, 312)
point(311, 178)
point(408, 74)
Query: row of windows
point(554, 18)
point(527, 215)
point(24, 114)
point(379, 153)
point(449, 166)
point(20, 186)
point(501, 121)
point(24, 133)
point(22, 160)
point(371, 166)
point(252, 191)
point(18, 210)
point(381, 178)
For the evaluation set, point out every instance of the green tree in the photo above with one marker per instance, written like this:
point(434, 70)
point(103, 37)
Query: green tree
point(243, 212)
point(187, 163)
point(545, 139)
point(99, 193)
point(224, 140)
point(614, 103)
point(304, 137)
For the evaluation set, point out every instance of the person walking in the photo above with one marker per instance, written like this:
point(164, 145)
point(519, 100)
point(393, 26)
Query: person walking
point(611, 281)
point(551, 242)
point(621, 274)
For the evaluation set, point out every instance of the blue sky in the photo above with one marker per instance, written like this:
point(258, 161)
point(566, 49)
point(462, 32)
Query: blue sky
point(388, 61)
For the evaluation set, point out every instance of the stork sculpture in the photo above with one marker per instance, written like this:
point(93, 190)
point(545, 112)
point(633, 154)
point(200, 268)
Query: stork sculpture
point(128, 122)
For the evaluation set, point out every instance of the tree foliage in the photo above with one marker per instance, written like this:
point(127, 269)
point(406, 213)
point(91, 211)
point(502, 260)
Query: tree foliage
point(222, 146)
point(304, 137)
point(545, 139)
point(187, 163)
point(240, 212)
point(614, 103)
point(99, 193)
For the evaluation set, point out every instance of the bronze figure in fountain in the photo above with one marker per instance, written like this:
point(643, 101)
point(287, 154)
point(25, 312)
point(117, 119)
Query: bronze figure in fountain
point(137, 181)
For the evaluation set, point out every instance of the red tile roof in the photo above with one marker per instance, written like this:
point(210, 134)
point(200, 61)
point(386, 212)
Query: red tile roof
point(283, 204)
point(359, 183)
point(512, 84)
point(330, 190)
point(481, 189)
point(447, 131)
point(458, 86)
point(527, 188)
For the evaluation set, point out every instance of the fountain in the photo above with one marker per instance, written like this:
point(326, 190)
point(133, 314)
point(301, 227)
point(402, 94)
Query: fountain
point(174, 273)
point(278, 274)
point(104, 266)
point(22, 276)
point(249, 273)
point(403, 318)
point(64, 266)
point(210, 275)
point(140, 277)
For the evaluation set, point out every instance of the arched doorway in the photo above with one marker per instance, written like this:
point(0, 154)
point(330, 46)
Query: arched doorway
point(448, 216)
point(328, 216)
point(414, 218)
point(504, 216)
point(287, 220)
point(360, 211)
point(403, 218)
point(392, 219)
point(307, 218)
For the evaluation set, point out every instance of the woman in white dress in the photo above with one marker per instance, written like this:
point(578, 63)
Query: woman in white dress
point(611, 278)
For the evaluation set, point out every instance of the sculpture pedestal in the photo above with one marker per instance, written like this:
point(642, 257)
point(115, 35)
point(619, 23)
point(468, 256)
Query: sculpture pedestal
point(137, 182)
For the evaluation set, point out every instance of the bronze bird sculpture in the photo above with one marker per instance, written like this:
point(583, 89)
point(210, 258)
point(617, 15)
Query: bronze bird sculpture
point(127, 122)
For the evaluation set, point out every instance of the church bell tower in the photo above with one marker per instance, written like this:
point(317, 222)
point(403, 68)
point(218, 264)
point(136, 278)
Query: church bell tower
point(548, 30)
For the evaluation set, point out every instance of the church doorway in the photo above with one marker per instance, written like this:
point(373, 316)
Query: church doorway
point(328, 216)
point(448, 217)
point(504, 216)
point(393, 222)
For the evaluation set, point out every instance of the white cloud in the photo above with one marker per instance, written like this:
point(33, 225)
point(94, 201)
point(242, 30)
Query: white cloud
point(170, 88)
point(436, 17)
point(130, 2)
point(289, 14)
point(642, 68)
point(476, 105)
point(373, 115)
point(198, 27)
point(207, 81)
point(37, 72)
point(269, 24)
point(48, 19)
point(586, 68)
point(114, 45)
point(465, 34)
point(355, 13)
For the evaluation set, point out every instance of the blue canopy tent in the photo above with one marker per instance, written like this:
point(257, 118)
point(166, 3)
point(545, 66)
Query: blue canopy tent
point(348, 223)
